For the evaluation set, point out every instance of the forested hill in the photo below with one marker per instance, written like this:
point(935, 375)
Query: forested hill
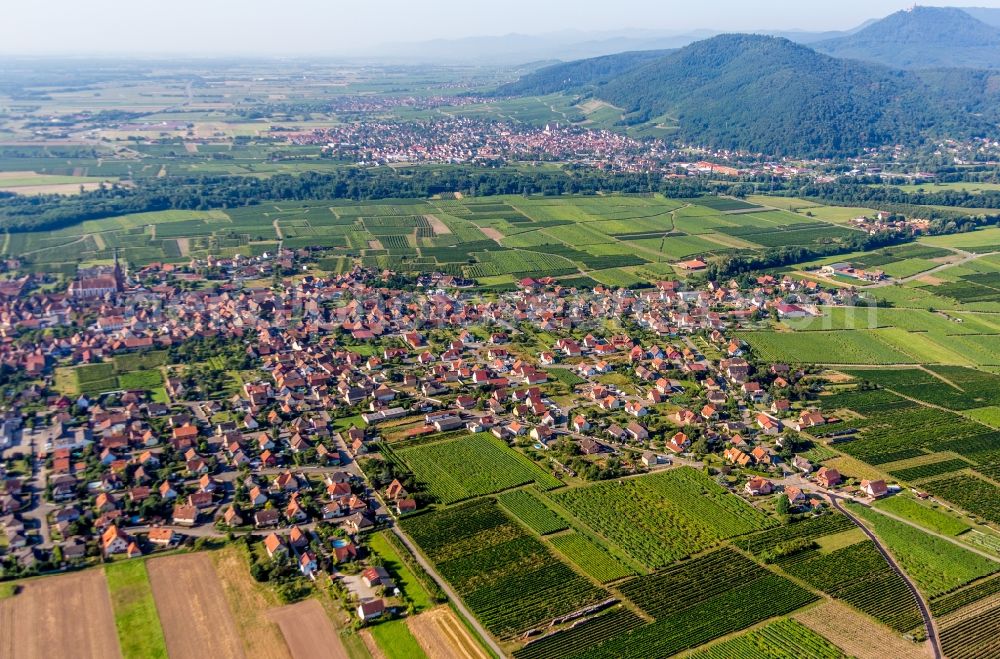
point(579, 74)
point(922, 37)
point(770, 95)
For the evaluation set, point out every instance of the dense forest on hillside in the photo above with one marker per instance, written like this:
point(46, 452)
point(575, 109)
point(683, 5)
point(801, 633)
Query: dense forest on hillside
point(578, 74)
point(769, 95)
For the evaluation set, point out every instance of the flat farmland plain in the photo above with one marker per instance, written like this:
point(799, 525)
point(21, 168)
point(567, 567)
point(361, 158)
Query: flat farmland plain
point(192, 606)
point(308, 631)
point(44, 619)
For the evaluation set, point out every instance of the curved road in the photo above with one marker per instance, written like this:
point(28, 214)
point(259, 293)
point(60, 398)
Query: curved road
point(932, 635)
point(450, 593)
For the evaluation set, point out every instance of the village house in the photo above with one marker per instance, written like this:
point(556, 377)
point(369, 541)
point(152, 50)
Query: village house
point(828, 477)
point(874, 489)
point(758, 486)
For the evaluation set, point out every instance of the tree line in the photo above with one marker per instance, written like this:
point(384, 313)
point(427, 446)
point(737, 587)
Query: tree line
point(45, 212)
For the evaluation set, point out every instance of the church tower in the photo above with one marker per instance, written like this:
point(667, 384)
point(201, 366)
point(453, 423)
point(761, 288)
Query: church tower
point(118, 274)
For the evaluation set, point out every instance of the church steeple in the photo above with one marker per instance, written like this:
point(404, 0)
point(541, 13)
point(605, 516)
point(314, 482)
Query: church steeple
point(118, 274)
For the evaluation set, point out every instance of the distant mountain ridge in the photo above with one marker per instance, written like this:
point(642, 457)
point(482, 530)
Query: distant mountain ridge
point(770, 95)
point(566, 46)
point(922, 37)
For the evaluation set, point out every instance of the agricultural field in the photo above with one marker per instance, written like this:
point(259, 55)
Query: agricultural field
point(963, 597)
point(395, 640)
point(566, 376)
point(988, 416)
point(691, 605)
point(914, 336)
point(924, 515)
point(906, 438)
point(496, 238)
point(251, 603)
point(192, 607)
point(977, 635)
point(837, 214)
point(854, 347)
point(936, 565)
point(590, 557)
point(307, 631)
point(983, 241)
point(706, 607)
point(978, 496)
point(972, 187)
point(443, 636)
point(43, 621)
point(858, 575)
point(140, 361)
point(660, 518)
point(138, 624)
point(726, 204)
point(581, 636)
point(783, 639)
point(857, 634)
point(899, 261)
point(529, 509)
point(92, 379)
point(507, 577)
point(951, 387)
point(458, 469)
point(927, 470)
point(792, 204)
point(811, 529)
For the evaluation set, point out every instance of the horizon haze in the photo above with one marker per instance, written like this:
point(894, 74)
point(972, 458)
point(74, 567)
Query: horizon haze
point(312, 28)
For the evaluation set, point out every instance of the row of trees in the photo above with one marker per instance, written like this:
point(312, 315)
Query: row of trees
point(358, 184)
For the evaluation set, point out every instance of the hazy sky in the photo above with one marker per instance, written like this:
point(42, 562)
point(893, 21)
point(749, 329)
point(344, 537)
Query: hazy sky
point(337, 27)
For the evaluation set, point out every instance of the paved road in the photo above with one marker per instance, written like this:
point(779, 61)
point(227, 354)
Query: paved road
point(37, 509)
point(451, 593)
point(932, 635)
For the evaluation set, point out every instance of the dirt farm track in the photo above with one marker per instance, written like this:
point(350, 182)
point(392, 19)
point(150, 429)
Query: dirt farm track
point(193, 611)
point(44, 620)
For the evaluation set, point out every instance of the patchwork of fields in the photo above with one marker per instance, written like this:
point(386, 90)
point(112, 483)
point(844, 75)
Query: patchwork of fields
point(507, 577)
point(494, 561)
point(868, 335)
point(681, 512)
point(690, 604)
point(183, 605)
point(624, 240)
point(663, 517)
point(662, 544)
